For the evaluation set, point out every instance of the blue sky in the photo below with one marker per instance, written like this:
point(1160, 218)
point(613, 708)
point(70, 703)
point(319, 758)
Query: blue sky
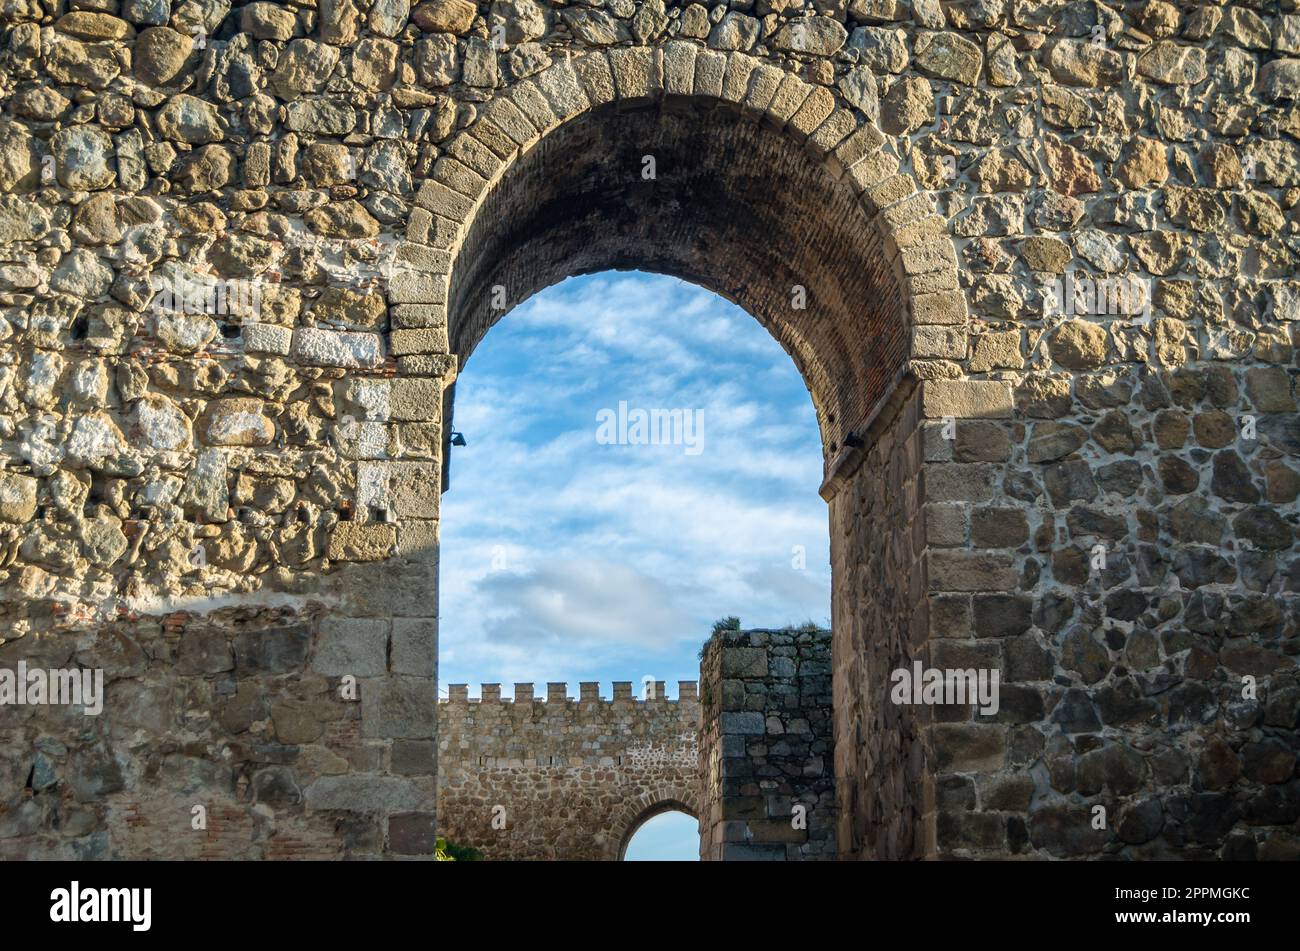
point(667, 837)
point(567, 559)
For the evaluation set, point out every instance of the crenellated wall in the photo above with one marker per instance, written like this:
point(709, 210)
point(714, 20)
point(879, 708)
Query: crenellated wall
point(559, 778)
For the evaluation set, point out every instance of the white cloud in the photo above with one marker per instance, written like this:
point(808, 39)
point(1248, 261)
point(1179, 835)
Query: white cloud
point(565, 558)
point(585, 602)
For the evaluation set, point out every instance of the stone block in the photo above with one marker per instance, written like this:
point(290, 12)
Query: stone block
point(399, 708)
point(421, 340)
point(415, 400)
point(971, 571)
point(417, 287)
point(415, 646)
point(352, 646)
point(943, 307)
point(958, 482)
point(372, 795)
point(361, 541)
point(412, 833)
point(968, 747)
point(416, 489)
point(744, 662)
point(17, 497)
point(414, 757)
point(337, 348)
point(266, 338)
point(966, 399)
point(746, 724)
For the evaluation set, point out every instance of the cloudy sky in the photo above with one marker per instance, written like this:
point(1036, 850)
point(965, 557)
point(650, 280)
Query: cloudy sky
point(566, 557)
point(570, 556)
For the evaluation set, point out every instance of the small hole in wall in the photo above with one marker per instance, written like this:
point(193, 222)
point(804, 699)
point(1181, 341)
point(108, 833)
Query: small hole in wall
point(345, 511)
point(79, 328)
point(378, 513)
point(94, 495)
point(231, 331)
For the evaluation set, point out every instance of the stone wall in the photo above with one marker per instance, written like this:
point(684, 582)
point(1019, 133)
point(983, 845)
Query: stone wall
point(907, 195)
point(562, 778)
point(767, 782)
point(878, 614)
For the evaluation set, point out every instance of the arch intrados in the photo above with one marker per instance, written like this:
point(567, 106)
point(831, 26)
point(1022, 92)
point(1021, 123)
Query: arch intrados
point(576, 204)
point(849, 369)
point(650, 812)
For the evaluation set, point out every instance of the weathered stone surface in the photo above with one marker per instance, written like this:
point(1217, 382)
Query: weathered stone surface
point(1171, 63)
point(907, 106)
point(444, 16)
point(160, 54)
point(344, 219)
point(337, 348)
point(819, 36)
point(1084, 63)
point(83, 158)
point(305, 67)
point(1071, 171)
point(267, 21)
point(949, 56)
point(17, 497)
point(188, 119)
point(352, 646)
point(92, 65)
point(1078, 345)
point(236, 421)
point(161, 424)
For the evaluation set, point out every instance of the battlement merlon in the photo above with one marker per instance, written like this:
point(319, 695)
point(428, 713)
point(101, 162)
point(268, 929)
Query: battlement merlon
point(654, 691)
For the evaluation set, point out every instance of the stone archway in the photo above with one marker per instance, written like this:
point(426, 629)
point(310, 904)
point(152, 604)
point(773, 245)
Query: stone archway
point(646, 807)
point(663, 160)
point(234, 515)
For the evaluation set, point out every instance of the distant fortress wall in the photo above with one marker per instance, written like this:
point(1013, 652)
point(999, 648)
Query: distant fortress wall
point(563, 778)
point(751, 755)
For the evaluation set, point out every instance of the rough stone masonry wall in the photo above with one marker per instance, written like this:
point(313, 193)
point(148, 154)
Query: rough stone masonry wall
point(563, 779)
point(766, 766)
point(1116, 533)
point(244, 505)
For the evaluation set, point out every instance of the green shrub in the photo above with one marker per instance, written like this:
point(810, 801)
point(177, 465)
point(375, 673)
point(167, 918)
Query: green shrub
point(450, 852)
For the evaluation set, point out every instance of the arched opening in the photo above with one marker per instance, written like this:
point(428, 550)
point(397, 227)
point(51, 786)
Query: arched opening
point(666, 832)
point(778, 198)
point(712, 197)
point(572, 553)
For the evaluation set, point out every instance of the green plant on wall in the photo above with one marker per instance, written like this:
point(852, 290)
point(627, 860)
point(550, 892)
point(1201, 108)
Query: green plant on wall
point(720, 627)
point(450, 852)
point(731, 623)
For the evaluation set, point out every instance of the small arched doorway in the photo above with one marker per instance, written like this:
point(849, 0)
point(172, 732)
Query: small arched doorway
point(668, 844)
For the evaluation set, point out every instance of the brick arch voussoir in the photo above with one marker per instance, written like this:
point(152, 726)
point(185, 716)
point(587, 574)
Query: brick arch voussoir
point(847, 143)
